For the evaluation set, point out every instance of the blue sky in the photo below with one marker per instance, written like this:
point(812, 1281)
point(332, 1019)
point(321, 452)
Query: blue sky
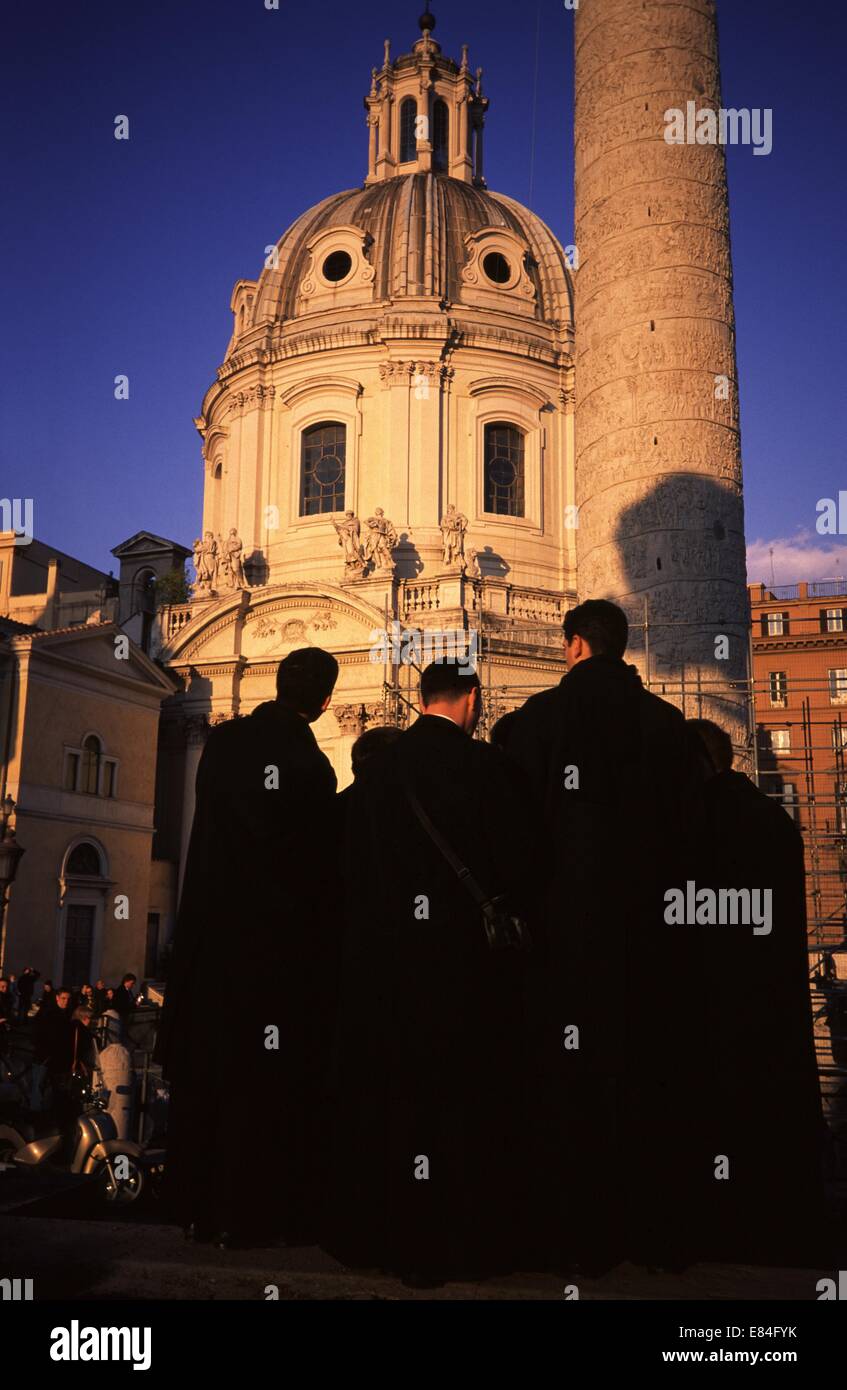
point(120, 257)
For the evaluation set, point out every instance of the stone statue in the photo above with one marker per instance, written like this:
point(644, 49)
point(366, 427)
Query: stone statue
point(453, 528)
point(223, 573)
point(471, 567)
point(349, 533)
point(234, 555)
point(380, 542)
point(205, 562)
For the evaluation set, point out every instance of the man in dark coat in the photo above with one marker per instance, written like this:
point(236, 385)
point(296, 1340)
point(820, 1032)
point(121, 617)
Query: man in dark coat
point(123, 1000)
point(763, 1094)
point(429, 1059)
point(615, 1127)
point(259, 881)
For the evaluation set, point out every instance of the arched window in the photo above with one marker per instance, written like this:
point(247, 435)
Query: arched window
point(84, 860)
point(440, 136)
point(408, 134)
point(145, 592)
point(323, 468)
point(504, 470)
point(91, 755)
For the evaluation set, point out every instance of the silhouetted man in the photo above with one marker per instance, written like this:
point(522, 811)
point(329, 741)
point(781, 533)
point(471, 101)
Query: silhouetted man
point(123, 1001)
point(763, 1095)
point(259, 879)
point(429, 1045)
point(608, 763)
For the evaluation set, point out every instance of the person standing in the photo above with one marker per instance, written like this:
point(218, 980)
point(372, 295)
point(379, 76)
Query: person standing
point(123, 1001)
point(616, 1022)
point(763, 1097)
point(427, 1077)
point(260, 876)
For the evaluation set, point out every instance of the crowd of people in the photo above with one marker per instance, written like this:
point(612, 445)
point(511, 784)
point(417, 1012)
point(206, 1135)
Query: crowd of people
point(479, 1039)
point(18, 996)
point(60, 1022)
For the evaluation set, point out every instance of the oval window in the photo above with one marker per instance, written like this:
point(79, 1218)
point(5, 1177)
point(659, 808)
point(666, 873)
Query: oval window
point(497, 268)
point(337, 266)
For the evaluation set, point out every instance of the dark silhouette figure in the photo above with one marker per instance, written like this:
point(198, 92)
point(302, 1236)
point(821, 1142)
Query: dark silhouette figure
point(762, 1096)
point(429, 1066)
point(260, 871)
point(614, 1126)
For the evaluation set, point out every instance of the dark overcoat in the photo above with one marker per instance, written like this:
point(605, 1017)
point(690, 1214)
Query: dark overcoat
point(617, 1044)
point(429, 1060)
point(260, 903)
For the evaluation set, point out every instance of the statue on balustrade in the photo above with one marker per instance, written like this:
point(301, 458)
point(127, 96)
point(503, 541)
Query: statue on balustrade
point(380, 542)
point(349, 538)
point(205, 563)
point(453, 528)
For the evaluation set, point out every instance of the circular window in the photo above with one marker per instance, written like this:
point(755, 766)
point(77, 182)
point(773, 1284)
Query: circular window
point(337, 266)
point(502, 472)
point(497, 268)
point(328, 470)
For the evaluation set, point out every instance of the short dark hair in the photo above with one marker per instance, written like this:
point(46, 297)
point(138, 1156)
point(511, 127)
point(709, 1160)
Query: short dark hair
point(599, 623)
point(448, 679)
point(715, 740)
point(500, 732)
point(129, 978)
point(371, 742)
point(305, 678)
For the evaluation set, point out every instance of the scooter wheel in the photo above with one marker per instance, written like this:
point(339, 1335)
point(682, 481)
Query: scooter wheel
point(119, 1182)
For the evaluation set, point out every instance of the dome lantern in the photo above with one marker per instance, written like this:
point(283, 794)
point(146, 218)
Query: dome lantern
point(425, 114)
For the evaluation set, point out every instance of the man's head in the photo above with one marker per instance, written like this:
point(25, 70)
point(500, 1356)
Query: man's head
point(448, 688)
point(4, 985)
point(128, 981)
point(63, 998)
point(83, 1016)
point(101, 984)
point(370, 743)
point(595, 628)
point(712, 746)
point(305, 682)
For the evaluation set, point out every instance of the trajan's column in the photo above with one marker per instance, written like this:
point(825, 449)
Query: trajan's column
point(658, 460)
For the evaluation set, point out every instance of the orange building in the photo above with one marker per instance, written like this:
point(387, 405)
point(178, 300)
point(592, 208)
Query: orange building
point(799, 641)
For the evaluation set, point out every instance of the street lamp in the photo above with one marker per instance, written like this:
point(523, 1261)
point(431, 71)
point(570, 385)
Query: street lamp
point(10, 857)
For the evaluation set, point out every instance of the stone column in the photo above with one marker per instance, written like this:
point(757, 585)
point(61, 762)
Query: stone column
point(658, 462)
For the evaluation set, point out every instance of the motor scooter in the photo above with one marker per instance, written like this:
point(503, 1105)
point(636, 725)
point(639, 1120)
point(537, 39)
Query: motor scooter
point(93, 1148)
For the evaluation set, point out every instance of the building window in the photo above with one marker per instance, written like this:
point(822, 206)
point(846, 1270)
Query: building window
point(110, 777)
point(837, 686)
point(84, 861)
point(408, 133)
point(832, 620)
point(841, 807)
point(440, 136)
point(778, 686)
point(774, 624)
point(323, 469)
point(71, 771)
point(789, 798)
point(504, 470)
point(91, 753)
point(781, 740)
point(839, 736)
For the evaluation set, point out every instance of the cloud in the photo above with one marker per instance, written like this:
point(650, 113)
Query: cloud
point(804, 555)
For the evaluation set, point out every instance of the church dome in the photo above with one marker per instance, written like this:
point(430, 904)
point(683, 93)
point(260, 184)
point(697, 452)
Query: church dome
point(419, 235)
